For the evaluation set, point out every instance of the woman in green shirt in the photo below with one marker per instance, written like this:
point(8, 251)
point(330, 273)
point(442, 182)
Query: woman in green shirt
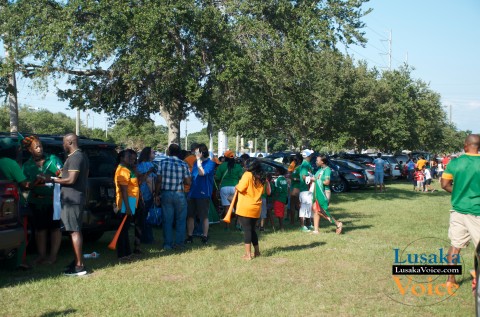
point(40, 198)
point(322, 195)
point(227, 176)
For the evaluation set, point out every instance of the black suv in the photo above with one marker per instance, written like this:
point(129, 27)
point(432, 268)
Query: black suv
point(98, 215)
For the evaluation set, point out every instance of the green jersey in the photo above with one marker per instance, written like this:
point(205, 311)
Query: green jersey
point(228, 177)
point(280, 189)
point(10, 170)
point(465, 173)
point(295, 177)
point(324, 174)
point(41, 194)
point(305, 170)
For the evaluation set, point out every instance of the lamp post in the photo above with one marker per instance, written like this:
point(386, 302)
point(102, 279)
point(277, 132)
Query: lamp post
point(186, 134)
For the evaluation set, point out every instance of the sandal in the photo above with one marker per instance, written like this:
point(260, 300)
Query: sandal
point(339, 228)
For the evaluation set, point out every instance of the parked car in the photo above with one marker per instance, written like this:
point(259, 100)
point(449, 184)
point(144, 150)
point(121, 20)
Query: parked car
point(368, 170)
point(394, 167)
point(11, 230)
point(281, 157)
point(349, 177)
point(98, 215)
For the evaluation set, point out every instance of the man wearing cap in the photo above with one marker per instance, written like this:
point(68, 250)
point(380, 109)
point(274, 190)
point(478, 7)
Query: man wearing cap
point(227, 176)
point(306, 196)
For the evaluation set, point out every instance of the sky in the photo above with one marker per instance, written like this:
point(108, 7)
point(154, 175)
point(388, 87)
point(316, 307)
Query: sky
point(439, 38)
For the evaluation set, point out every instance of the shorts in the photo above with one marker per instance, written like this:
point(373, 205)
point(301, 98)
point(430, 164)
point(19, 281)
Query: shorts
point(263, 213)
point(419, 184)
point(279, 209)
point(198, 207)
point(305, 204)
point(463, 228)
point(428, 181)
point(379, 177)
point(226, 195)
point(42, 216)
point(72, 217)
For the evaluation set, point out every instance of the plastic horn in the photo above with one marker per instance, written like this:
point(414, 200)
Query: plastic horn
point(113, 244)
point(228, 216)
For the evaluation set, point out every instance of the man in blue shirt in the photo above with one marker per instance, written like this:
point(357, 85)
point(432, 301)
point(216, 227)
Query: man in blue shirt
point(200, 192)
point(379, 172)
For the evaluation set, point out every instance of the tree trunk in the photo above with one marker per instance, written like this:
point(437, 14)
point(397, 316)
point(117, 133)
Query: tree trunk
point(173, 119)
point(12, 95)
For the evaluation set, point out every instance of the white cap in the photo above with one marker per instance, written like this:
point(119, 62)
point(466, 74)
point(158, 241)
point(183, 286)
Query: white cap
point(306, 153)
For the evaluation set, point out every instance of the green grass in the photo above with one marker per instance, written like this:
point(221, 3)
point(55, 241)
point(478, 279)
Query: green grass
point(298, 274)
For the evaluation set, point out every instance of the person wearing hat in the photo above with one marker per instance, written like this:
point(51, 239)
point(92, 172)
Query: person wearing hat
point(306, 196)
point(227, 176)
point(10, 170)
point(40, 198)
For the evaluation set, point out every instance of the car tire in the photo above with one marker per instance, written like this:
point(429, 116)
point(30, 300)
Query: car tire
point(340, 187)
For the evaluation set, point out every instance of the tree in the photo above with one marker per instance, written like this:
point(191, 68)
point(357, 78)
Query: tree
point(138, 58)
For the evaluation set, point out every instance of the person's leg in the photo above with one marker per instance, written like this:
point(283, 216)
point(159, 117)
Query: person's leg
point(167, 219)
point(247, 226)
point(254, 239)
point(123, 244)
point(77, 243)
point(316, 222)
point(452, 257)
point(41, 242)
point(181, 218)
point(191, 211)
point(55, 241)
point(147, 230)
point(205, 207)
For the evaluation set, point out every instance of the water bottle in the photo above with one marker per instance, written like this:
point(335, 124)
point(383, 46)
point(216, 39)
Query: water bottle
point(92, 255)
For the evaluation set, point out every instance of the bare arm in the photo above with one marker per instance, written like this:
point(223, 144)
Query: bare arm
point(71, 179)
point(447, 184)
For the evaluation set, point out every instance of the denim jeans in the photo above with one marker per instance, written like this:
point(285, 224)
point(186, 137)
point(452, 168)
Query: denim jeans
point(174, 206)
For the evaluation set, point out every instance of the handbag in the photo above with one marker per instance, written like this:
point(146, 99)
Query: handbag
point(154, 216)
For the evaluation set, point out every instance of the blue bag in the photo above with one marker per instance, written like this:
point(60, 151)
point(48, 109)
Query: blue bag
point(154, 217)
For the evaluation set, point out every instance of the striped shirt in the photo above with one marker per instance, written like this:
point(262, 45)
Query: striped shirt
point(173, 171)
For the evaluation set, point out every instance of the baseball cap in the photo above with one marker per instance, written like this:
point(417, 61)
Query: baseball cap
point(229, 154)
point(306, 153)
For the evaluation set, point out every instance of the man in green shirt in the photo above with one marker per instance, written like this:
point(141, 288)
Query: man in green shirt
point(462, 179)
point(306, 196)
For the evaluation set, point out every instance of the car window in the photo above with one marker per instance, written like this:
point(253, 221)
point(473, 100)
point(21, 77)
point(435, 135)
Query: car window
point(102, 161)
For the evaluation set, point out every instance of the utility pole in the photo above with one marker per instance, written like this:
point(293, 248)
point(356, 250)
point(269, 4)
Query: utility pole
point(186, 134)
point(77, 123)
point(389, 50)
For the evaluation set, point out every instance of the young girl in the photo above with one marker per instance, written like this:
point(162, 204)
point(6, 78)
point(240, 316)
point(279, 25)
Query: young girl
point(280, 196)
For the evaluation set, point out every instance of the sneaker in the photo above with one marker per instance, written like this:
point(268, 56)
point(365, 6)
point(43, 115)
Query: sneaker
point(304, 229)
point(70, 266)
point(205, 239)
point(310, 228)
point(76, 271)
point(314, 232)
point(189, 240)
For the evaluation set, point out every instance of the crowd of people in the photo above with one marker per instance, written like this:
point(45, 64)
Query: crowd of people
point(186, 186)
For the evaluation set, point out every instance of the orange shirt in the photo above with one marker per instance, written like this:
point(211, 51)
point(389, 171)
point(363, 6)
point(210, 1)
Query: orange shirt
point(421, 163)
point(124, 176)
point(190, 160)
point(291, 167)
point(249, 202)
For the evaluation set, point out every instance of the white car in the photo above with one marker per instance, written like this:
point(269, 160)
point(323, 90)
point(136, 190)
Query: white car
point(394, 166)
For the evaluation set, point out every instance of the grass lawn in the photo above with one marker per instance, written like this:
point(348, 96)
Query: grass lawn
point(298, 274)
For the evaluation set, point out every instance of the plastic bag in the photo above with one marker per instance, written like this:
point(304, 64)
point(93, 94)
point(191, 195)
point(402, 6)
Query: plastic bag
point(57, 207)
point(154, 217)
